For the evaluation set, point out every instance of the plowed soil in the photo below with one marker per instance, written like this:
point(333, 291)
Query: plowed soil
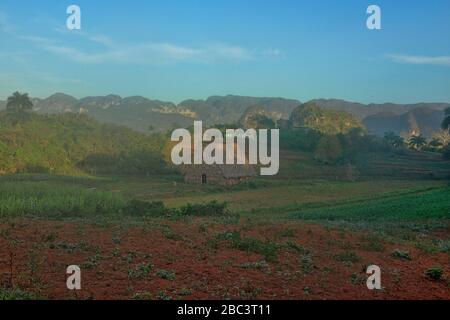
point(197, 259)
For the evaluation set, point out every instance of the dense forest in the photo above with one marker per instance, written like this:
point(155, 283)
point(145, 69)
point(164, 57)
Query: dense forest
point(75, 144)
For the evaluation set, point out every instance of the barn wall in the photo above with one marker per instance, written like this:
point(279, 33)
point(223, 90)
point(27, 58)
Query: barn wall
point(193, 174)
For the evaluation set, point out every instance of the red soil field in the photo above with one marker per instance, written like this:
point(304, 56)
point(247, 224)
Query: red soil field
point(187, 260)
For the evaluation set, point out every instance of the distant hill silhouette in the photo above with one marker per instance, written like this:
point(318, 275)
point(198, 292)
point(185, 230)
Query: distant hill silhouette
point(422, 120)
point(365, 110)
point(229, 109)
point(147, 115)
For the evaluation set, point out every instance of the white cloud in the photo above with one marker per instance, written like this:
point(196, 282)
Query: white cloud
point(150, 53)
point(433, 60)
point(142, 53)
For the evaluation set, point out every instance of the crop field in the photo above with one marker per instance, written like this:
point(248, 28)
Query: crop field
point(275, 239)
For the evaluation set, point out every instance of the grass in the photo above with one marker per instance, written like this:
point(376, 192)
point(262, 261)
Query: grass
point(265, 248)
point(141, 271)
point(16, 294)
point(419, 205)
point(166, 274)
point(27, 198)
point(400, 254)
point(347, 257)
point(434, 273)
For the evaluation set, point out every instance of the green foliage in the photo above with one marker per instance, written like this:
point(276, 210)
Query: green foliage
point(213, 208)
point(417, 142)
point(74, 144)
point(434, 273)
point(446, 122)
point(328, 150)
point(143, 208)
point(348, 257)
point(16, 294)
point(44, 199)
point(400, 254)
point(394, 140)
point(166, 274)
point(433, 204)
point(18, 107)
point(446, 152)
point(299, 139)
point(141, 271)
point(325, 121)
point(267, 249)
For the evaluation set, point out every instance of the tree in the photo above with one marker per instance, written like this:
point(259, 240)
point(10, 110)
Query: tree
point(446, 123)
point(329, 149)
point(443, 136)
point(446, 152)
point(417, 142)
point(394, 140)
point(18, 106)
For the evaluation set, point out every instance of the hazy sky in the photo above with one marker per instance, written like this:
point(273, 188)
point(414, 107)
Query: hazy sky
point(173, 50)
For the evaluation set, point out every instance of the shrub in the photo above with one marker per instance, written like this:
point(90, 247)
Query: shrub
point(434, 273)
point(329, 150)
point(166, 274)
point(446, 152)
point(212, 208)
point(267, 249)
point(400, 254)
point(141, 271)
point(143, 208)
point(348, 257)
point(16, 294)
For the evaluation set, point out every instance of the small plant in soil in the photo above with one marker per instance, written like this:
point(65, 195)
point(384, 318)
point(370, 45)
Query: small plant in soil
point(162, 295)
point(434, 273)
point(348, 257)
point(400, 254)
point(356, 278)
point(142, 296)
point(141, 271)
point(185, 292)
point(165, 274)
point(297, 247)
point(306, 263)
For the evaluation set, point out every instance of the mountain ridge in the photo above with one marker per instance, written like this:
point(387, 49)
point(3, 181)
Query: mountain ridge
point(144, 114)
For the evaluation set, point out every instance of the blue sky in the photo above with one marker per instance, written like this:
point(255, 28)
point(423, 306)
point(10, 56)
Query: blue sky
point(173, 50)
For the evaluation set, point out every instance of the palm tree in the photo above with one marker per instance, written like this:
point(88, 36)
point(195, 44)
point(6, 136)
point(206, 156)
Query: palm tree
point(398, 142)
point(417, 142)
point(18, 105)
point(446, 123)
point(19, 101)
point(394, 140)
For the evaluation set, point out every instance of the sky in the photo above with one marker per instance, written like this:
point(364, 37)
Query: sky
point(175, 50)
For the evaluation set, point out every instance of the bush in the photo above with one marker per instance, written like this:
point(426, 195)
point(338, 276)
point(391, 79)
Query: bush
point(267, 249)
point(400, 254)
point(212, 208)
point(446, 152)
point(136, 207)
point(329, 150)
point(434, 273)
